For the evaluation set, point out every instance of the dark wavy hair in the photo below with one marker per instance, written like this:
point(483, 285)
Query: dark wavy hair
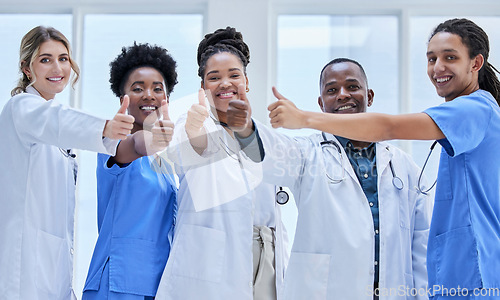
point(476, 40)
point(142, 55)
point(222, 40)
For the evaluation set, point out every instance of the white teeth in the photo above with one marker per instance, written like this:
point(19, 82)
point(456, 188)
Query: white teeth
point(55, 78)
point(148, 108)
point(226, 94)
point(345, 107)
point(440, 80)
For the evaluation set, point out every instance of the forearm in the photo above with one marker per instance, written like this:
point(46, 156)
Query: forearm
point(182, 149)
point(131, 148)
point(375, 127)
point(55, 124)
point(199, 142)
point(371, 127)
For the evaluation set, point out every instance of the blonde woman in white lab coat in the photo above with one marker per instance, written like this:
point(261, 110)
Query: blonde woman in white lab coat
point(39, 170)
point(221, 204)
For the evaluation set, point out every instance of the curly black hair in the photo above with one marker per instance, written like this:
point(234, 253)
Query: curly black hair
point(142, 55)
point(222, 40)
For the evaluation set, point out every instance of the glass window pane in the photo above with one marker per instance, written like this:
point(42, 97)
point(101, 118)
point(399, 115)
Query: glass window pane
point(307, 43)
point(12, 29)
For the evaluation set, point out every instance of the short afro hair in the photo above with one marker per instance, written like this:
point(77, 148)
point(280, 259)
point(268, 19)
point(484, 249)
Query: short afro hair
point(342, 60)
point(142, 55)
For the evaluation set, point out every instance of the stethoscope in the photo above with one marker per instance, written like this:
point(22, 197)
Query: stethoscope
point(398, 183)
point(282, 196)
point(68, 154)
point(396, 180)
point(325, 144)
point(422, 172)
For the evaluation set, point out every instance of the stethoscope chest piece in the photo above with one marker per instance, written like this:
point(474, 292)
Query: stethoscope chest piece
point(398, 183)
point(282, 196)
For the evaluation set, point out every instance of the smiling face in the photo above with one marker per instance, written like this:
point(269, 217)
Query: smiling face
point(450, 68)
point(51, 69)
point(344, 89)
point(223, 73)
point(146, 88)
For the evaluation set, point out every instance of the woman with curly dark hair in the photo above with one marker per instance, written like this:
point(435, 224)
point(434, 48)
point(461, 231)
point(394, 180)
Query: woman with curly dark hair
point(136, 190)
point(229, 241)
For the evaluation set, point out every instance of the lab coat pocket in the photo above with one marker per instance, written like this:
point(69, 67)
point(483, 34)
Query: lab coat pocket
point(53, 266)
point(307, 276)
point(457, 261)
point(198, 252)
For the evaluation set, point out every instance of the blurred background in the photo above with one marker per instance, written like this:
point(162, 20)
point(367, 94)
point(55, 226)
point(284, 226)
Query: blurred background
point(290, 42)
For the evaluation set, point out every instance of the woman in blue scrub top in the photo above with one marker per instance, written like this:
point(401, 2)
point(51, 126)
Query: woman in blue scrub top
point(463, 257)
point(136, 192)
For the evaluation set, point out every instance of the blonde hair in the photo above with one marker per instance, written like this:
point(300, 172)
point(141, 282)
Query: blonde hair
point(29, 50)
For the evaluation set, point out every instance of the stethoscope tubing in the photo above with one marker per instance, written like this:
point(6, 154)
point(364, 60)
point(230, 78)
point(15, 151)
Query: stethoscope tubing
point(396, 181)
point(282, 196)
point(422, 172)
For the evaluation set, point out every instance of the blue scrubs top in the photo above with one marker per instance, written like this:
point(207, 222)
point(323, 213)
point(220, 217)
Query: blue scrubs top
point(136, 214)
point(464, 238)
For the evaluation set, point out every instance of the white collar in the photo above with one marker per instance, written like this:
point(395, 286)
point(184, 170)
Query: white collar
point(31, 90)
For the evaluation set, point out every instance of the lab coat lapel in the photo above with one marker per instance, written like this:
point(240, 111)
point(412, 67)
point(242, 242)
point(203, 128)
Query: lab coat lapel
point(383, 157)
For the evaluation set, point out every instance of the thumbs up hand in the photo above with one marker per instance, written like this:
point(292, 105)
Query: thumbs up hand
point(239, 114)
point(196, 116)
point(283, 113)
point(162, 131)
point(121, 125)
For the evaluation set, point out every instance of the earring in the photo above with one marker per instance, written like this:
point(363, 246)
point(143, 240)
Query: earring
point(29, 77)
point(248, 89)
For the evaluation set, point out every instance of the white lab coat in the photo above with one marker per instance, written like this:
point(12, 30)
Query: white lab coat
point(37, 197)
point(333, 251)
point(211, 255)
